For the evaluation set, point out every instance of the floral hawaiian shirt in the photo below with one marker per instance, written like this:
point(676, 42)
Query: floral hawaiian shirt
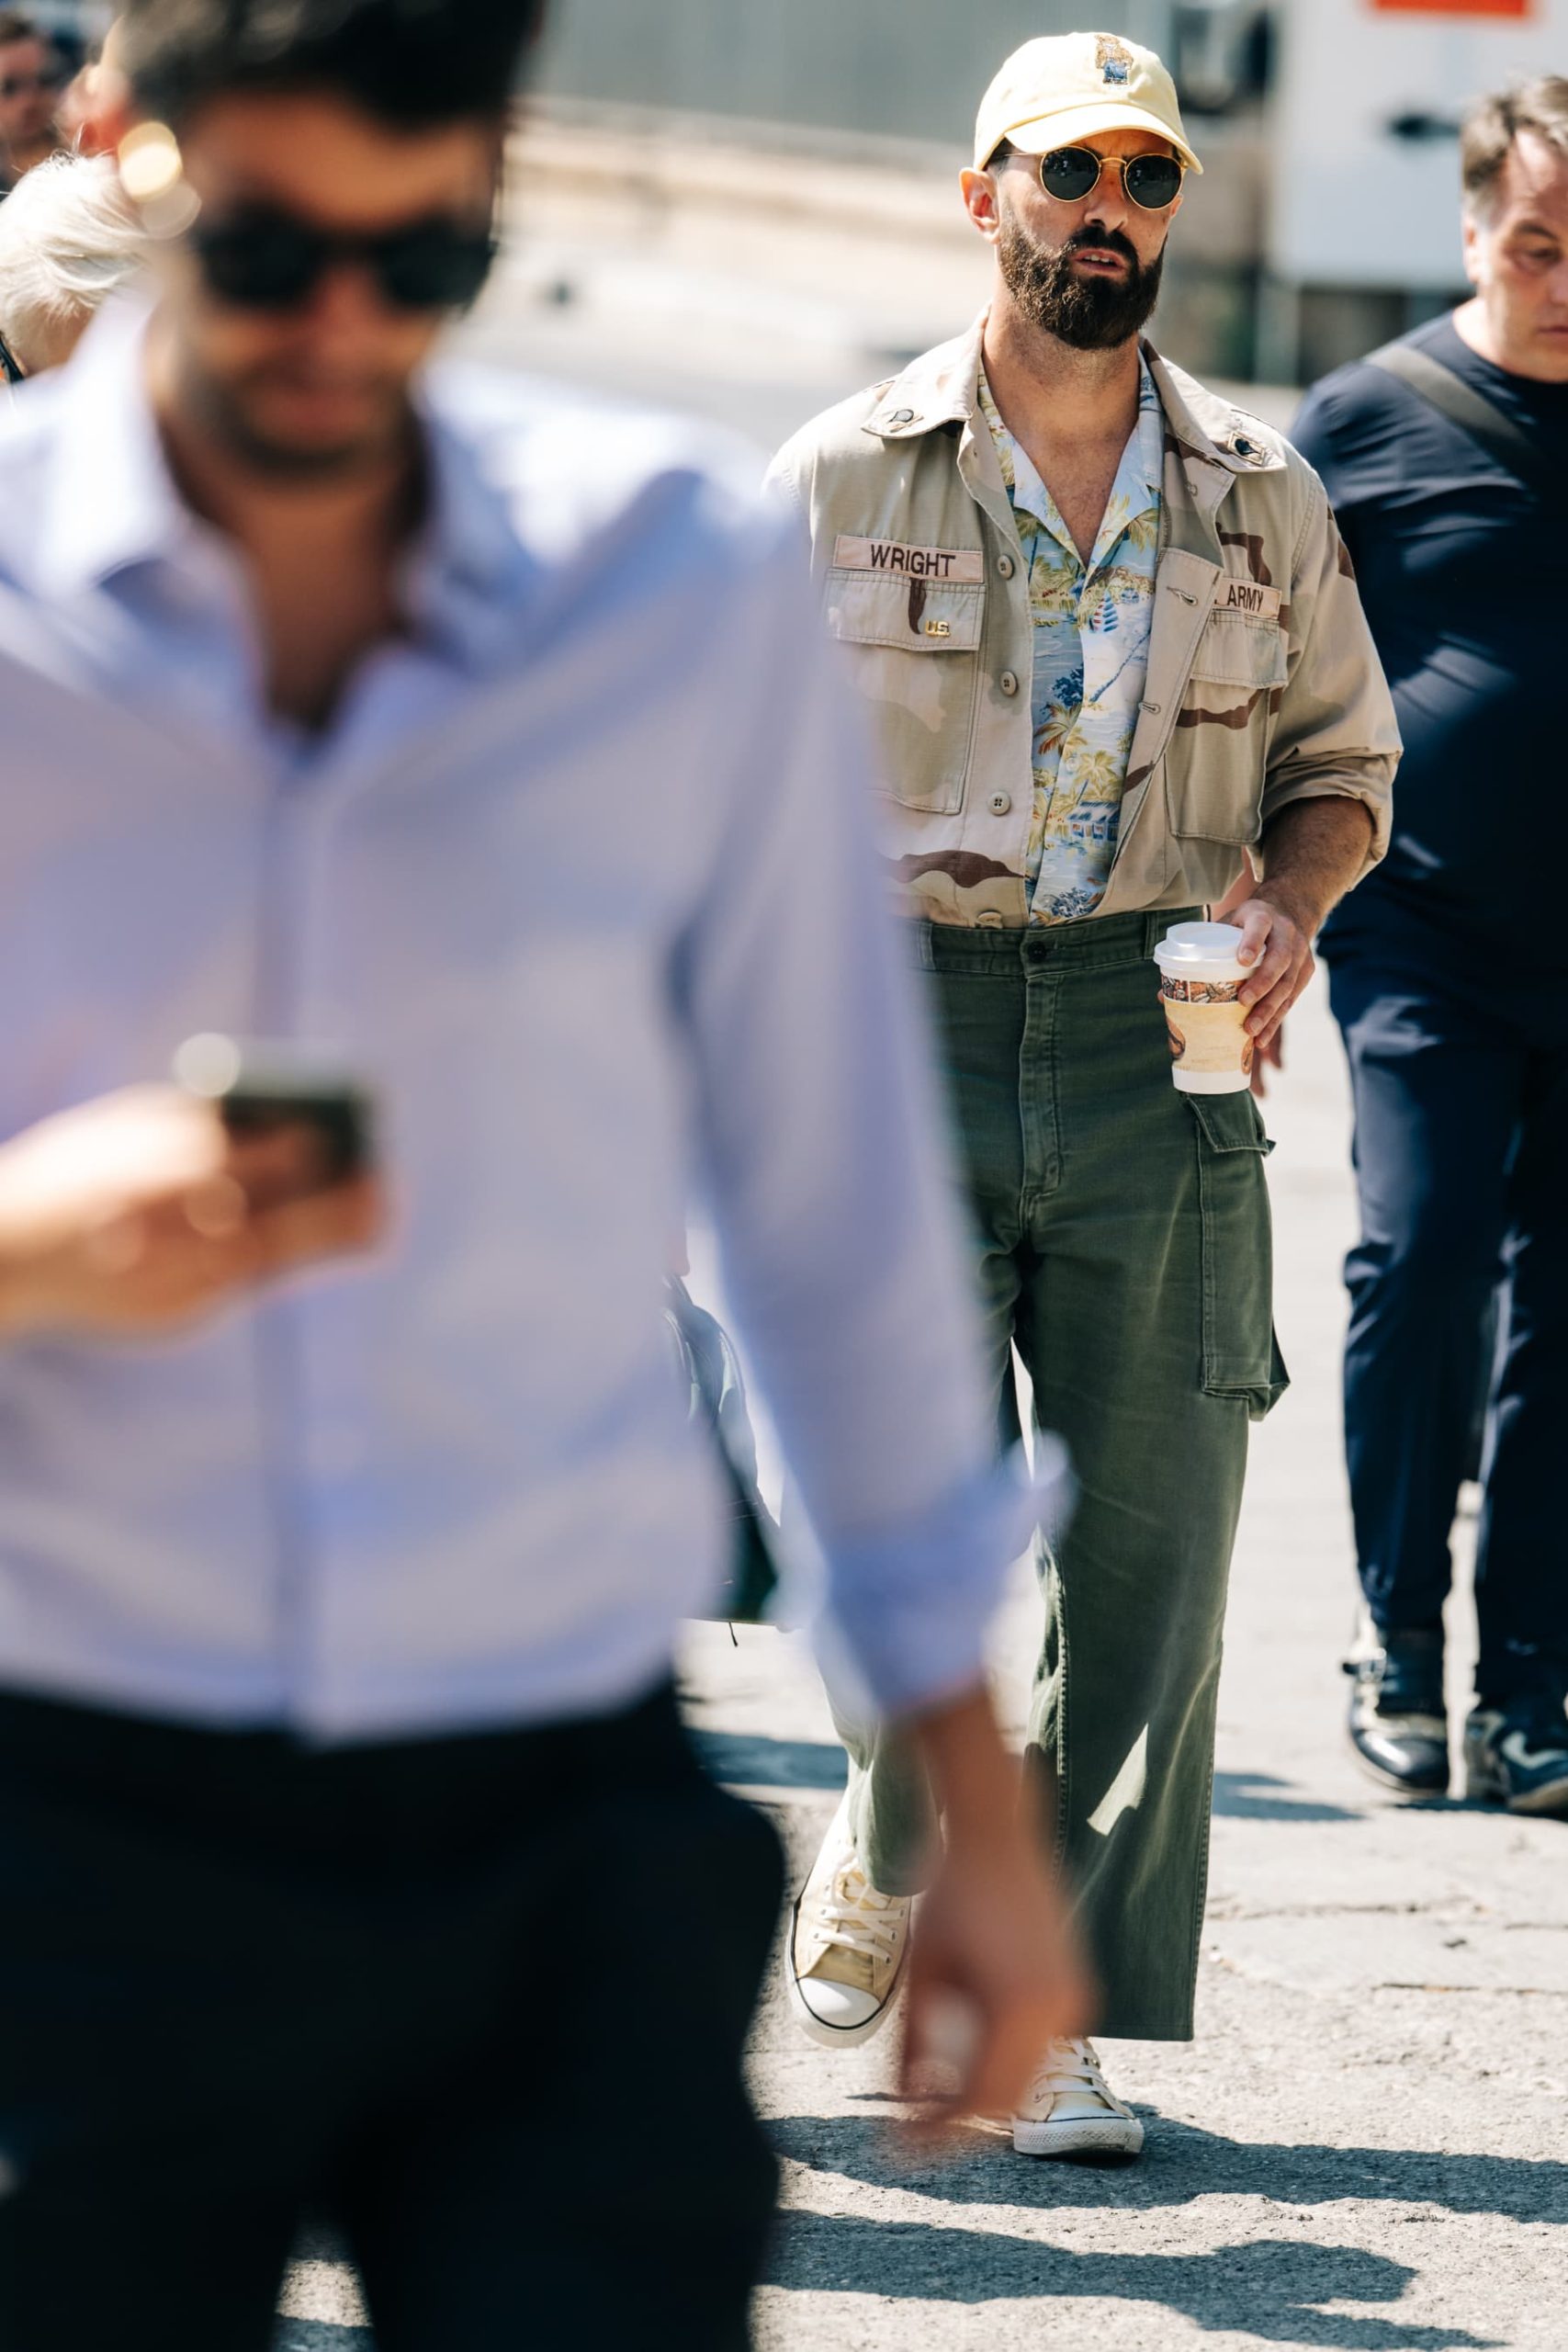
point(1091, 657)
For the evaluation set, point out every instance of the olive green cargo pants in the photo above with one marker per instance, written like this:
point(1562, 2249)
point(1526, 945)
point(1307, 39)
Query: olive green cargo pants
point(1124, 1249)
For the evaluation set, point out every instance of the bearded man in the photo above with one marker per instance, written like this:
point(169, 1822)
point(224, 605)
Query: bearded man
point(1112, 642)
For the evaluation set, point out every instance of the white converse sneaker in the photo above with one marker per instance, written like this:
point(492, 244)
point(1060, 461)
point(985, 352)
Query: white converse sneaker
point(1072, 2111)
point(846, 1946)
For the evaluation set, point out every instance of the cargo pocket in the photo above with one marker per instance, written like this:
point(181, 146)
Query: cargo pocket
point(914, 654)
point(1241, 1353)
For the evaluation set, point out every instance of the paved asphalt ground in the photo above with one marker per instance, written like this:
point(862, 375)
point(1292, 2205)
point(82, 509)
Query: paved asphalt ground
point(1365, 2150)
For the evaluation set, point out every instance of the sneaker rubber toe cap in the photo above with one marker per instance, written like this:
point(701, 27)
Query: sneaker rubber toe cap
point(844, 2007)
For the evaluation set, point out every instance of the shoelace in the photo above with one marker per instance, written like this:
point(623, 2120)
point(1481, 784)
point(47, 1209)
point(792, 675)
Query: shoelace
point(859, 1918)
point(1071, 2066)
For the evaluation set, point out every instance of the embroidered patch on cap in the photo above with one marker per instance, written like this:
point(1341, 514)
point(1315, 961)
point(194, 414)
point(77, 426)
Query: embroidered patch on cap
point(1113, 58)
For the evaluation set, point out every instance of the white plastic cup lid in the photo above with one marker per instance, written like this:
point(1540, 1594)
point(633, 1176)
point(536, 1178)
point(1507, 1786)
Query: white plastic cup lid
point(1199, 942)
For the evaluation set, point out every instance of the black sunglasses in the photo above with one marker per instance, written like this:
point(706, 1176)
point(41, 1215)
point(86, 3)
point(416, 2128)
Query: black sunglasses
point(1069, 174)
point(266, 259)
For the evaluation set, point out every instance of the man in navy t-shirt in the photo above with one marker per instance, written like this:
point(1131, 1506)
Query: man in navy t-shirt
point(1450, 980)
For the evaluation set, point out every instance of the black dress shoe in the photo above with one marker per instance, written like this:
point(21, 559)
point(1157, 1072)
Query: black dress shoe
point(1398, 1726)
point(1518, 1756)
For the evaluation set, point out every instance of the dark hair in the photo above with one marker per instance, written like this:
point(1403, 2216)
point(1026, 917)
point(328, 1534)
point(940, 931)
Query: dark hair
point(1002, 153)
point(1490, 128)
point(16, 25)
point(407, 63)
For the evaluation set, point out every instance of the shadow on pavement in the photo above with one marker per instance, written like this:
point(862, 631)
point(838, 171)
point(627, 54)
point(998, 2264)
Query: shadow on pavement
point(1182, 2164)
point(752, 1760)
point(1272, 2288)
point(1259, 1796)
point(748, 1761)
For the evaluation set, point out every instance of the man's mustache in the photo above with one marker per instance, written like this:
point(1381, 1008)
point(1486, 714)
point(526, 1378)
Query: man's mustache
point(1107, 241)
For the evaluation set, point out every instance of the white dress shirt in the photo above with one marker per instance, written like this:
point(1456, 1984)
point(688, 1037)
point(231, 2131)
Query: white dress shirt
point(580, 879)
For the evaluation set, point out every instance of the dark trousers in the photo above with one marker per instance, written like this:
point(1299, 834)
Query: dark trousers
point(1459, 1069)
point(480, 2001)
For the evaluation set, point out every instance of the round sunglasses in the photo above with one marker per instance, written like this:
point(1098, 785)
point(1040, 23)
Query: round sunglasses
point(1069, 174)
point(266, 259)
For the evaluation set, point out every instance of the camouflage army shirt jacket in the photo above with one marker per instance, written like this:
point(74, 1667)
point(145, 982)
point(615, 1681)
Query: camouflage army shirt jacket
point(1262, 685)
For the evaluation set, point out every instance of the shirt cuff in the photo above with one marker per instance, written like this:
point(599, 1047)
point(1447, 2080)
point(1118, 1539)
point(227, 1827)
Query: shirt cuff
point(906, 1607)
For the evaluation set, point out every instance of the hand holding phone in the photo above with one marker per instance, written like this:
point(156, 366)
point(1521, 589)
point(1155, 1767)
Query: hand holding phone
point(263, 1089)
point(150, 1209)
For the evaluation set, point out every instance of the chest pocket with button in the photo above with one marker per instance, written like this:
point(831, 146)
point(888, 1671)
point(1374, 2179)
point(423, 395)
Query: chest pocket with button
point(1236, 650)
point(1219, 748)
point(914, 647)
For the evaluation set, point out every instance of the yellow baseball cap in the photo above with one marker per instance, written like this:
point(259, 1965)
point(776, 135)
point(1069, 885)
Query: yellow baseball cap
point(1067, 86)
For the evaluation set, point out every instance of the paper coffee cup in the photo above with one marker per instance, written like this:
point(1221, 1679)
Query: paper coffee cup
point(1201, 980)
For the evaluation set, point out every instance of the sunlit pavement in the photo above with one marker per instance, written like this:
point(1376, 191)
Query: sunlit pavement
point(1366, 2148)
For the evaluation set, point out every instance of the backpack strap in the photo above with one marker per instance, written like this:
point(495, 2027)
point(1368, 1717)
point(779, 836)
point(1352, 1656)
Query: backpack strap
point(1508, 443)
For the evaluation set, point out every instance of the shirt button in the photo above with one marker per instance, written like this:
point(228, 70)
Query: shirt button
point(1000, 803)
point(1006, 565)
point(1009, 682)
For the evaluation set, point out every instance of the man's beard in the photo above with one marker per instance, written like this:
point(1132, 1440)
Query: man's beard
point(231, 418)
point(1088, 312)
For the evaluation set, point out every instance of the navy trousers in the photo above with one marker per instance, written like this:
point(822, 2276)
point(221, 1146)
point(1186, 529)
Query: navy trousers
point(1459, 1069)
point(425, 1988)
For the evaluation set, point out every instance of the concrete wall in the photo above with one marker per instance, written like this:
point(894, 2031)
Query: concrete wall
point(907, 68)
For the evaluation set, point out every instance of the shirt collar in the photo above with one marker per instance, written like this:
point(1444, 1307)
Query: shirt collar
point(1143, 462)
point(1138, 476)
point(111, 501)
point(938, 389)
point(468, 570)
point(113, 504)
point(935, 390)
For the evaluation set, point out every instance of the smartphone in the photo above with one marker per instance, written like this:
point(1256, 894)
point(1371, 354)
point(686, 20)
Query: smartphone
point(258, 1089)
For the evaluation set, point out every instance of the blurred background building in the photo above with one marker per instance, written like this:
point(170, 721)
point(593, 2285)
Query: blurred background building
point(1327, 220)
point(748, 206)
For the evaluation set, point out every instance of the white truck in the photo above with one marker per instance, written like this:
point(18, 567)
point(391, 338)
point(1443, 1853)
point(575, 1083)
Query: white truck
point(1362, 235)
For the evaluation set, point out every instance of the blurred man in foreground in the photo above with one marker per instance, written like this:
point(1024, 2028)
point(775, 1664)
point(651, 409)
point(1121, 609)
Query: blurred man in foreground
point(350, 1847)
point(1447, 459)
point(31, 81)
point(1107, 629)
